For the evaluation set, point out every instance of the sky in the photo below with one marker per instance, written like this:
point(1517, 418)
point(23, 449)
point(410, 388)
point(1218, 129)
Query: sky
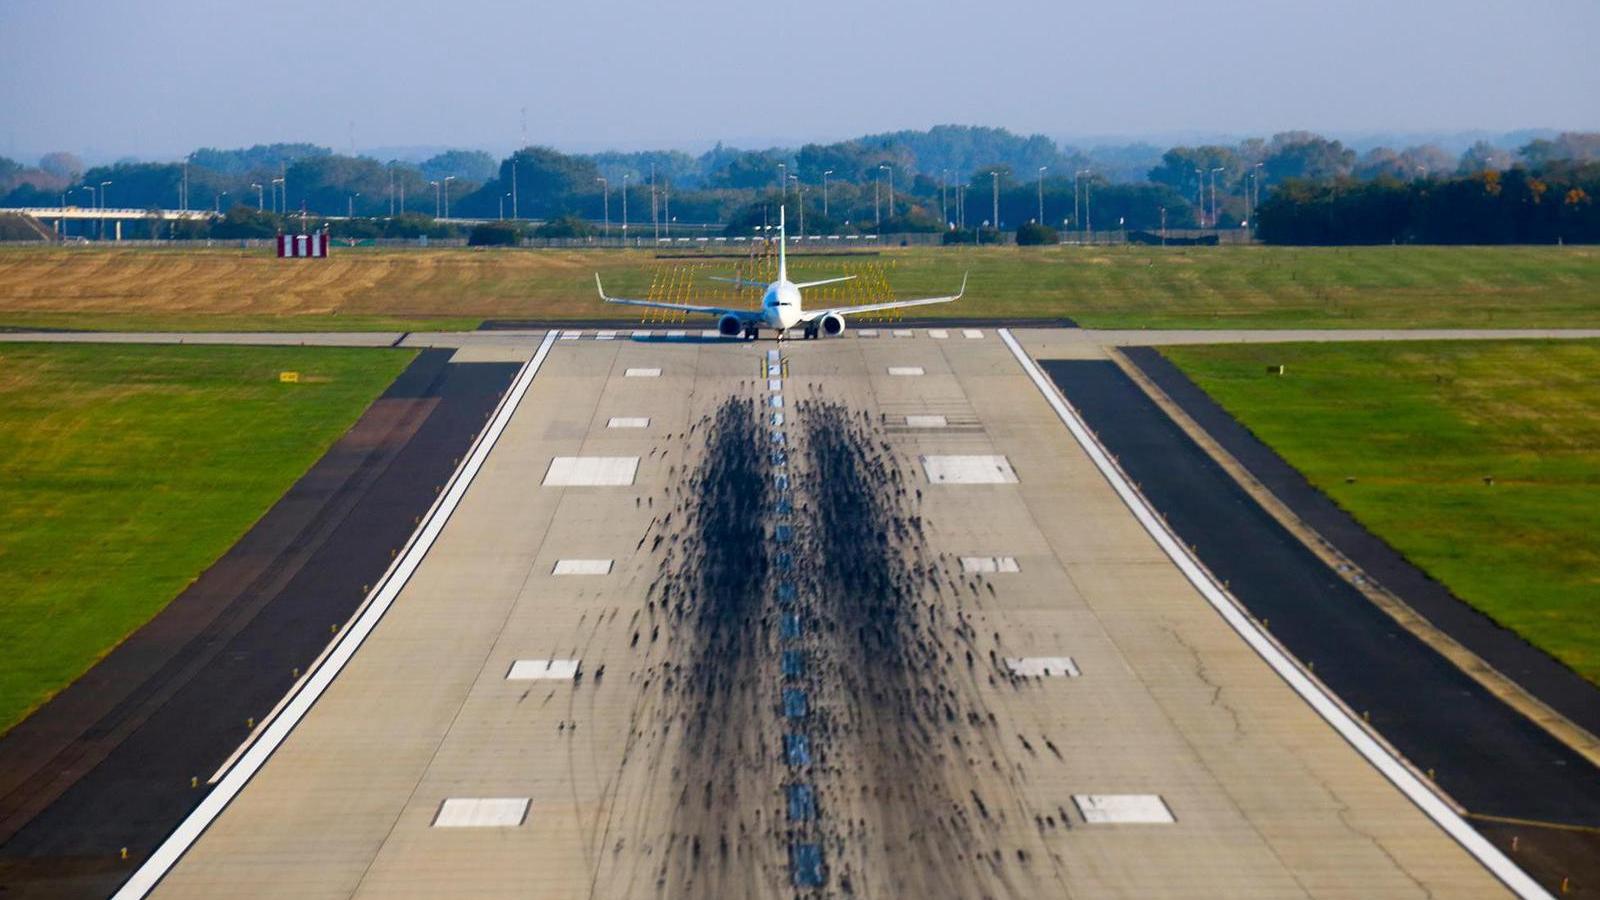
point(156, 80)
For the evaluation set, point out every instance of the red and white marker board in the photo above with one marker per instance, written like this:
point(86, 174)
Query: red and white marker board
point(313, 246)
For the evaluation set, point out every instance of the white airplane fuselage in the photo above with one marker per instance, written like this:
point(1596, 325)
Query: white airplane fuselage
point(780, 306)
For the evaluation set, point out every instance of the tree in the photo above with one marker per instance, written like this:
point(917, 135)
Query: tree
point(1483, 156)
point(1033, 234)
point(62, 165)
point(463, 165)
point(567, 226)
point(1301, 154)
point(494, 234)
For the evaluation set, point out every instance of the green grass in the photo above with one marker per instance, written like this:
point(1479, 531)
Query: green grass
point(1419, 427)
point(127, 470)
point(1111, 286)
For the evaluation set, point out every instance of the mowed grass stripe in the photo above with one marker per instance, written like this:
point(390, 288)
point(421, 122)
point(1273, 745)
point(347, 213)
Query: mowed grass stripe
point(127, 470)
point(1110, 286)
point(1419, 427)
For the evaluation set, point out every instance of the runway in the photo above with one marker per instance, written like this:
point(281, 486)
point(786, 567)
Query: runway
point(916, 645)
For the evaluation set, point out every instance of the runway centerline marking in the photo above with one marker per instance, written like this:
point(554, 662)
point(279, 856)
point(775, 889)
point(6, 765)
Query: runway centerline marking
point(1325, 706)
point(349, 641)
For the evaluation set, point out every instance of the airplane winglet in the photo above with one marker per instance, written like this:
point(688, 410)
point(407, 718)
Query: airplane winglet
point(599, 288)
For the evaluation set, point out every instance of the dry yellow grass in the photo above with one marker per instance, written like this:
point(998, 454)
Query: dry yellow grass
point(215, 289)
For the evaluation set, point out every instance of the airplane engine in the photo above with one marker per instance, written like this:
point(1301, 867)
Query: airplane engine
point(730, 326)
point(833, 324)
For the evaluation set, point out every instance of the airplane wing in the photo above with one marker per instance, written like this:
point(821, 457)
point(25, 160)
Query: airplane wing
point(811, 314)
point(743, 282)
point(743, 314)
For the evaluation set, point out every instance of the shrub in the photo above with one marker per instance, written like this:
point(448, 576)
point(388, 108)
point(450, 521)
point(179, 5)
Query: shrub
point(494, 234)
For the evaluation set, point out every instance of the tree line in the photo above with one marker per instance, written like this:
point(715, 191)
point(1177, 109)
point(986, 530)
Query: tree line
point(1295, 186)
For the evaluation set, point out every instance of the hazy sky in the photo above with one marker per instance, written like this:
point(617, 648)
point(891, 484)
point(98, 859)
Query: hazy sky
point(161, 78)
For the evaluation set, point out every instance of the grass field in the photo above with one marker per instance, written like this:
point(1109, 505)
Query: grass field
point(1419, 427)
point(127, 470)
point(1208, 287)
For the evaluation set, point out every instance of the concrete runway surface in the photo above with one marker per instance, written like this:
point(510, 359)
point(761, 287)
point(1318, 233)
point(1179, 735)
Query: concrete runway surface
point(891, 635)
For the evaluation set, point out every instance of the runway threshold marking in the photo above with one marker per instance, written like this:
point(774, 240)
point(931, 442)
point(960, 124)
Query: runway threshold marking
point(349, 641)
point(1326, 706)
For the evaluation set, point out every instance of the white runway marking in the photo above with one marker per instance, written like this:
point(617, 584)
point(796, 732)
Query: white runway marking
point(1043, 667)
point(482, 812)
point(971, 334)
point(571, 335)
point(642, 373)
point(1331, 711)
point(938, 334)
point(906, 370)
point(543, 670)
point(591, 471)
point(582, 567)
point(968, 470)
point(902, 332)
point(1130, 809)
point(867, 332)
point(628, 422)
point(349, 641)
point(986, 564)
point(926, 422)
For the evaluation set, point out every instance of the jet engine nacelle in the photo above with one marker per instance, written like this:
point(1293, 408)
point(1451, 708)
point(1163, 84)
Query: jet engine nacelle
point(833, 324)
point(730, 326)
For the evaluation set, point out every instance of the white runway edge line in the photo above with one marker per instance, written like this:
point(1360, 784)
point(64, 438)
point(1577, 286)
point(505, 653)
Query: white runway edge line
point(1331, 711)
point(311, 689)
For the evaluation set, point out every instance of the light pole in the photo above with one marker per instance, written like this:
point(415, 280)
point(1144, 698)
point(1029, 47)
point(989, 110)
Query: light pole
point(605, 200)
point(624, 209)
point(800, 197)
point(261, 197)
point(1256, 185)
point(218, 208)
point(513, 186)
point(994, 178)
point(503, 205)
point(275, 183)
point(825, 174)
point(783, 183)
point(890, 170)
point(350, 205)
point(1200, 195)
point(1214, 194)
point(944, 203)
point(435, 198)
point(1088, 207)
point(877, 210)
point(1041, 193)
point(446, 186)
point(101, 223)
point(1077, 219)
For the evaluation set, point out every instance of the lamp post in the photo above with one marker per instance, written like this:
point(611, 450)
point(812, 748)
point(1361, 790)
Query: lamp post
point(994, 178)
point(503, 205)
point(435, 198)
point(624, 209)
point(1077, 219)
point(1088, 207)
point(446, 186)
point(513, 186)
point(890, 170)
point(944, 203)
point(261, 196)
point(218, 208)
point(1041, 193)
point(1214, 172)
point(350, 205)
point(100, 224)
point(783, 182)
point(275, 183)
point(1200, 195)
point(825, 174)
point(605, 200)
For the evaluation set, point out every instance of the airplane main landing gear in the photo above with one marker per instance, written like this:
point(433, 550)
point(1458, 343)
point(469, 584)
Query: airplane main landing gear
point(811, 332)
point(752, 333)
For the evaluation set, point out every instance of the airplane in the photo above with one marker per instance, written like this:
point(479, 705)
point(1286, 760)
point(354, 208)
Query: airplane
point(781, 307)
